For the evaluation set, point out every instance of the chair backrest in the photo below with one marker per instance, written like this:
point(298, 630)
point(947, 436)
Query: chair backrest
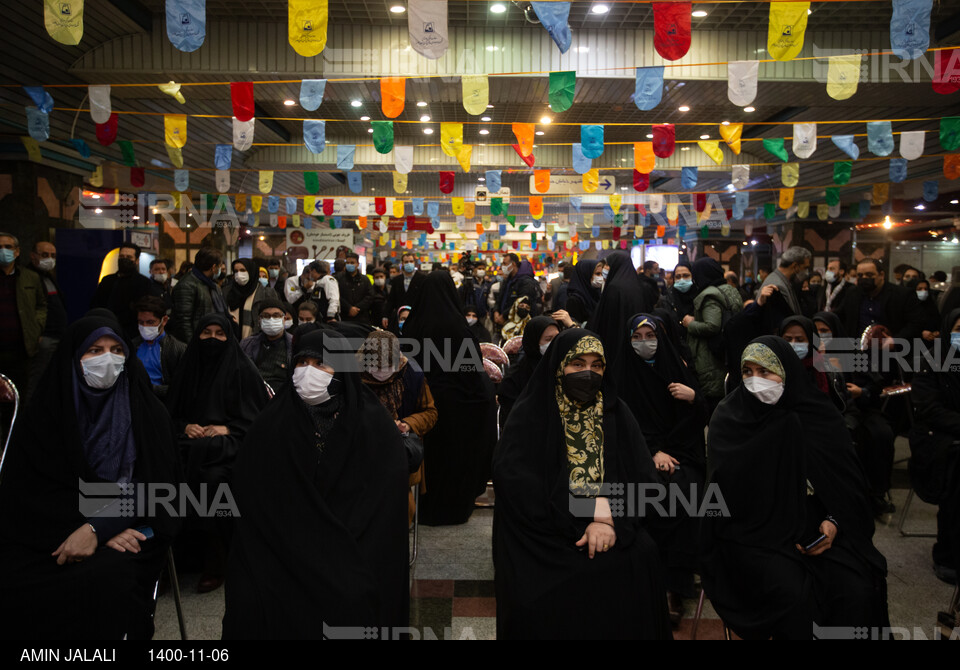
point(9, 405)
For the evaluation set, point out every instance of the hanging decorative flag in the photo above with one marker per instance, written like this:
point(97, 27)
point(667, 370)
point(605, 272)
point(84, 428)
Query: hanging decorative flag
point(222, 180)
point(469, 209)
point(740, 176)
point(536, 206)
point(417, 204)
point(464, 157)
point(951, 166)
point(843, 75)
point(427, 26)
point(930, 190)
point(451, 138)
point(446, 181)
point(222, 156)
point(100, 106)
point(382, 136)
point(96, 177)
point(186, 23)
point(38, 124)
point(529, 160)
point(832, 196)
point(769, 211)
point(591, 141)
point(129, 158)
point(393, 93)
point(673, 212)
point(82, 147)
point(172, 89)
point(616, 201)
point(910, 28)
point(740, 202)
point(524, 134)
point(841, 172)
point(137, 176)
point(880, 138)
point(790, 174)
point(492, 180)
point(774, 145)
point(63, 20)
point(34, 153)
point(671, 28)
point(581, 163)
point(731, 134)
point(256, 202)
point(541, 180)
point(742, 81)
point(380, 207)
point(402, 159)
point(591, 180)
point(847, 144)
point(788, 22)
point(243, 134)
point(562, 87)
point(181, 179)
point(880, 194)
point(42, 99)
point(307, 26)
point(398, 209)
point(946, 77)
point(399, 182)
point(273, 205)
point(655, 200)
point(688, 177)
point(950, 133)
point(175, 129)
point(363, 207)
point(911, 144)
point(315, 135)
point(355, 182)
point(496, 207)
point(644, 159)
point(804, 139)
point(575, 201)
point(553, 16)
point(311, 182)
point(345, 155)
point(648, 90)
point(107, 132)
point(823, 212)
point(241, 96)
point(803, 209)
point(712, 149)
point(175, 154)
point(476, 93)
point(664, 137)
point(265, 181)
point(898, 169)
point(641, 181)
point(311, 93)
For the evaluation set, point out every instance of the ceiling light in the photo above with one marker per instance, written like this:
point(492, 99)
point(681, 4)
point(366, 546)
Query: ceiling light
point(355, 103)
point(96, 196)
point(98, 211)
point(749, 109)
point(364, 118)
point(583, 50)
point(955, 202)
point(534, 146)
point(135, 217)
point(699, 14)
point(600, 8)
point(704, 137)
point(262, 238)
point(920, 207)
point(724, 123)
point(482, 179)
point(425, 118)
point(887, 223)
point(744, 243)
point(421, 104)
point(369, 130)
point(398, 9)
point(498, 8)
point(539, 132)
point(683, 108)
point(623, 188)
point(489, 106)
point(428, 131)
point(545, 120)
point(484, 131)
point(289, 103)
point(649, 136)
point(684, 148)
point(484, 118)
point(753, 242)
point(154, 210)
point(490, 47)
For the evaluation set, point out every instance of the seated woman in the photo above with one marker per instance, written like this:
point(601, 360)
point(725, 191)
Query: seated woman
point(87, 571)
point(517, 319)
point(321, 483)
point(536, 338)
point(801, 334)
point(214, 398)
point(935, 456)
point(663, 395)
point(794, 551)
point(566, 567)
point(402, 389)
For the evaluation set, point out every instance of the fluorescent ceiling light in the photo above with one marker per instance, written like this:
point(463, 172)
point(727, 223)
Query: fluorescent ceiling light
point(498, 8)
point(355, 103)
point(683, 108)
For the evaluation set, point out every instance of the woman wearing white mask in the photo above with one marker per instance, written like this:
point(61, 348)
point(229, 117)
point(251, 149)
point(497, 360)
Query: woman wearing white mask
point(87, 571)
point(583, 293)
point(321, 483)
point(794, 551)
point(244, 293)
point(928, 314)
point(472, 314)
point(801, 334)
point(402, 389)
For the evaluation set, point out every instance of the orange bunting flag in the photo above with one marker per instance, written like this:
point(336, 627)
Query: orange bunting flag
point(951, 166)
point(470, 209)
point(541, 180)
point(644, 159)
point(392, 95)
point(524, 134)
point(731, 135)
point(536, 206)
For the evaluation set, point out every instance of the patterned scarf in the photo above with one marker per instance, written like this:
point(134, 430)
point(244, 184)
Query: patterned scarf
point(763, 356)
point(582, 428)
point(515, 324)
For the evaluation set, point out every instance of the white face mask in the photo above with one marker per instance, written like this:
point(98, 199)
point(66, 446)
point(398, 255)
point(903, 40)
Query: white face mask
point(382, 375)
point(241, 278)
point(765, 390)
point(597, 281)
point(379, 281)
point(481, 274)
point(101, 372)
point(830, 276)
point(311, 384)
point(544, 347)
point(471, 320)
point(149, 333)
point(287, 324)
point(47, 264)
point(272, 327)
point(923, 295)
point(646, 349)
point(160, 278)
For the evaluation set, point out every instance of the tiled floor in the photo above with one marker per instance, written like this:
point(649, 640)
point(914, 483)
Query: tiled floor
point(453, 598)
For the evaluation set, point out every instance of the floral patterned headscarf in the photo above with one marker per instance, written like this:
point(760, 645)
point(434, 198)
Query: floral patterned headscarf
point(582, 427)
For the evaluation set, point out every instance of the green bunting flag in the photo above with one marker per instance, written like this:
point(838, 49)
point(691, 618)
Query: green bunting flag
point(562, 86)
point(774, 145)
point(382, 136)
point(832, 196)
point(841, 172)
point(129, 157)
point(311, 182)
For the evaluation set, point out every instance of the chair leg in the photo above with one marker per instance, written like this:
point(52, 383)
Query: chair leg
point(696, 617)
point(416, 524)
point(903, 519)
point(175, 587)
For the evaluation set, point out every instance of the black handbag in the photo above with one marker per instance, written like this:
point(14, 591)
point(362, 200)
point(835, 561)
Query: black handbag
point(414, 446)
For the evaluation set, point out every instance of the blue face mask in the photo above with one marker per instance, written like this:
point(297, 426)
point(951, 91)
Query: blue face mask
point(350, 267)
point(955, 340)
point(801, 348)
point(683, 285)
point(6, 256)
point(400, 325)
point(409, 267)
point(264, 281)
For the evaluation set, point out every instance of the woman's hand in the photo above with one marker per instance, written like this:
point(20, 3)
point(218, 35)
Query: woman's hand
point(561, 316)
point(765, 293)
point(830, 530)
point(213, 431)
point(681, 392)
point(81, 543)
point(402, 427)
point(128, 540)
point(665, 462)
point(854, 390)
point(598, 537)
point(193, 431)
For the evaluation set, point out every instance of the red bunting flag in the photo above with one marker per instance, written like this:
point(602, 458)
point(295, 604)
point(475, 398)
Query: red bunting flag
point(241, 94)
point(641, 181)
point(664, 136)
point(446, 181)
point(526, 159)
point(328, 207)
point(946, 78)
point(671, 28)
point(700, 201)
point(107, 132)
point(137, 176)
point(380, 205)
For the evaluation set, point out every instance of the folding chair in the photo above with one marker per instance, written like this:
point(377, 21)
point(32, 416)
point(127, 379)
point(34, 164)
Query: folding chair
point(903, 519)
point(416, 524)
point(727, 633)
point(8, 396)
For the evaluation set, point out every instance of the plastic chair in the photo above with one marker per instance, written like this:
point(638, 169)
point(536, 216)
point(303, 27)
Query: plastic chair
point(9, 395)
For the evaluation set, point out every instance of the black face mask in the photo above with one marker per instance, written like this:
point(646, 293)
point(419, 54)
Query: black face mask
point(212, 348)
point(867, 284)
point(126, 266)
point(522, 312)
point(912, 283)
point(582, 386)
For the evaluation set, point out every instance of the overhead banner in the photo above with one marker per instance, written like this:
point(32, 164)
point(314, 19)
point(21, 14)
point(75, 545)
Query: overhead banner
point(307, 26)
point(175, 130)
point(181, 180)
point(880, 138)
point(222, 180)
point(241, 96)
point(345, 156)
point(911, 144)
point(712, 149)
point(393, 94)
point(788, 23)
point(186, 23)
point(265, 181)
point(403, 159)
point(790, 174)
point(315, 135)
point(63, 20)
point(427, 26)
point(740, 176)
point(648, 89)
point(843, 76)
point(311, 93)
point(382, 136)
point(554, 17)
point(742, 81)
point(243, 134)
point(804, 139)
point(671, 28)
point(644, 160)
point(731, 134)
point(847, 144)
point(451, 138)
point(476, 93)
point(689, 177)
point(591, 141)
point(524, 134)
point(910, 28)
point(562, 87)
point(664, 138)
point(99, 98)
point(581, 163)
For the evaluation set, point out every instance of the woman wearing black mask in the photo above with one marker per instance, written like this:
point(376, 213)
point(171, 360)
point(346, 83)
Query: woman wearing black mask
point(320, 549)
point(794, 551)
point(213, 399)
point(566, 566)
point(536, 338)
point(87, 571)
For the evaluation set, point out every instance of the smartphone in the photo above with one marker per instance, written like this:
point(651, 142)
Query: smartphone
point(815, 542)
point(146, 530)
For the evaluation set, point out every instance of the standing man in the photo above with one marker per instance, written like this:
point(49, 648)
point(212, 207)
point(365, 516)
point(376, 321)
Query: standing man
point(836, 286)
point(160, 276)
point(473, 291)
point(404, 288)
point(43, 260)
point(515, 282)
point(356, 292)
point(650, 275)
point(197, 294)
point(380, 291)
point(118, 291)
point(23, 313)
point(794, 267)
point(326, 290)
point(159, 351)
point(272, 348)
point(276, 276)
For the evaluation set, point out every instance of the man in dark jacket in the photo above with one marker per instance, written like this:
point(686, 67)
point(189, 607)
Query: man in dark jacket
point(404, 289)
point(119, 291)
point(875, 300)
point(650, 276)
point(197, 294)
point(23, 314)
point(518, 280)
point(380, 292)
point(356, 291)
point(159, 351)
point(43, 260)
point(271, 349)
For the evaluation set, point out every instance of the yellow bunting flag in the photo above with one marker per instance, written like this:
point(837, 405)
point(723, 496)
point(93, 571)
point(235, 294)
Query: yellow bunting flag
point(524, 134)
point(644, 159)
point(843, 75)
point(240, 204)
point(731, 135)
point(673, 211)
point(788, 22)
point(615, 201)
point(536, 206)
point(96, 177)
point(63, 20)
point(177, 199)
point(397, 209)
point(591, 180)
point(266, 181)
point(456, 204)
point(451, 138)
point(712, 149)
point(33, 148)
point(175, 154)
point(307, 26)
point(173, 90)
point(309, 204)
point(476, 93)
point(464, 156)
point(786, 197)
point(175, 129)
point(470, 209)
point(803, 209)
point(541, 180)
point(880, 194)
point(393, 93)
point(399, 182)
point(790, 174)
point(256, 202)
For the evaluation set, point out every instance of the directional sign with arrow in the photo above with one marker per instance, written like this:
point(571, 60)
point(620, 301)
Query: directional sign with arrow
point(573, 185)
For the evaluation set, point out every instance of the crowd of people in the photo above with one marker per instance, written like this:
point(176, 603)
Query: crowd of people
point(318, 400)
